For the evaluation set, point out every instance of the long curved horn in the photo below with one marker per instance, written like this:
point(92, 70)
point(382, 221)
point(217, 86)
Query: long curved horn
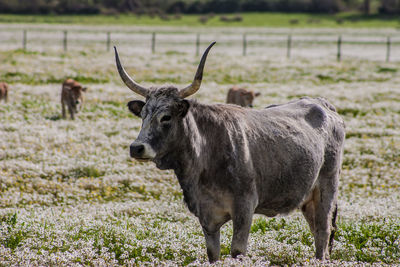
point(134, 86)
point(195, 85)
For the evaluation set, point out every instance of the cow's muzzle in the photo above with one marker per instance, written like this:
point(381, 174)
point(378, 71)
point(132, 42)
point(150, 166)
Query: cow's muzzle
point(141, 151)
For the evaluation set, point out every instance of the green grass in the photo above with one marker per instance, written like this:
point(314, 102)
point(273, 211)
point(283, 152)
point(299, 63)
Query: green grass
point(361, 240)
point(362, 235)
point(297, 20)
point(37, 78)
point(16, 236)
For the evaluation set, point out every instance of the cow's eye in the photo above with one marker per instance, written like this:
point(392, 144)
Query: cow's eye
point(165, 118)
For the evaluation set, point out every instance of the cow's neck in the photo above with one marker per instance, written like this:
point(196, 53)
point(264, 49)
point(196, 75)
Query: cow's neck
point(192, 155)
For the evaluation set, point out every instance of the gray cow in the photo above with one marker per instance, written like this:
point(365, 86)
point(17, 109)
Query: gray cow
point(232, 162)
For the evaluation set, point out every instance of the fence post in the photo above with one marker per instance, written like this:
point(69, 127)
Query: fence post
point(339, 51)
point(244, 44)
point(197, 44)
point(388, 49)
point(153, 43)
point(289, 45)
point(24, 40)
point(108, 41)
point(65, 41)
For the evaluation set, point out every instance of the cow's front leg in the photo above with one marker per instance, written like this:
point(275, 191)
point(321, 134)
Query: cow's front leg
point(213, 244)
point(242, 219)
point(71, 112)
point(63, 109)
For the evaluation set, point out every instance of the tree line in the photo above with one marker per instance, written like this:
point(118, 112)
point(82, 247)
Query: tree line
point(151, 7)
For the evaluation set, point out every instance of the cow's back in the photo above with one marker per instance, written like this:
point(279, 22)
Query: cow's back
point(71, 83)
point(312, 115)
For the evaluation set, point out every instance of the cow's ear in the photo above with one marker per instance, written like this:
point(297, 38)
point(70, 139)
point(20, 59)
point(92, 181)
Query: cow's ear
point(136, 106)
point(183, 108)
point(84, 89)
point(257, 94)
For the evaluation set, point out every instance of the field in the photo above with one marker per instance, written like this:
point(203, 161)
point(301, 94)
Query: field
point(71, 195)
point(295, 20)
point(307, 43)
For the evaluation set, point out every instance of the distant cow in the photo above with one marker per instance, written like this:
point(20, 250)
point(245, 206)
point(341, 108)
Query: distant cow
point(72, 96)
point(241, 97)
point(232, 162)
point(4, 91)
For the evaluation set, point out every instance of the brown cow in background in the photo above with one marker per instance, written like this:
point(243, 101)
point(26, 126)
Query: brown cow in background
point(72, 96)
point(241, 97)
point(3, 91)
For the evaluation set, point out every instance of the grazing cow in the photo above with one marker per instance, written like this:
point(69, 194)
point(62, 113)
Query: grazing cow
point(72, 96)
point(241, 97)
point(4, 91)
point(232, 162)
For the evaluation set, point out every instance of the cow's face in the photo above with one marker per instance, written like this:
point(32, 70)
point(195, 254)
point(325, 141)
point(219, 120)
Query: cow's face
point(162, 116)
point(77, 97)
point(248, 98)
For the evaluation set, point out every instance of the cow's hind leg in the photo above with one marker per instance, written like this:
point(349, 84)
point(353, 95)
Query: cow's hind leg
point(325, 206)
point(308, 209)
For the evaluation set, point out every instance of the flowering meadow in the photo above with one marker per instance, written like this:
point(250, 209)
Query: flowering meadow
point(70, 195)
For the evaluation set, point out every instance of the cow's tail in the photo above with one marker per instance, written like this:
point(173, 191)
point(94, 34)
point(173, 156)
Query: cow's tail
point(333, 230)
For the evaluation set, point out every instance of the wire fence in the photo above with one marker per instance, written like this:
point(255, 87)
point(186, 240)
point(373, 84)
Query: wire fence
point(292, 45)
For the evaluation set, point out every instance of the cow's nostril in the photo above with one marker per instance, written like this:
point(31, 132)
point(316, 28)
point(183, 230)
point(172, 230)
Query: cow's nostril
point(140, 149)
point(137, 150)
point(77, 102)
